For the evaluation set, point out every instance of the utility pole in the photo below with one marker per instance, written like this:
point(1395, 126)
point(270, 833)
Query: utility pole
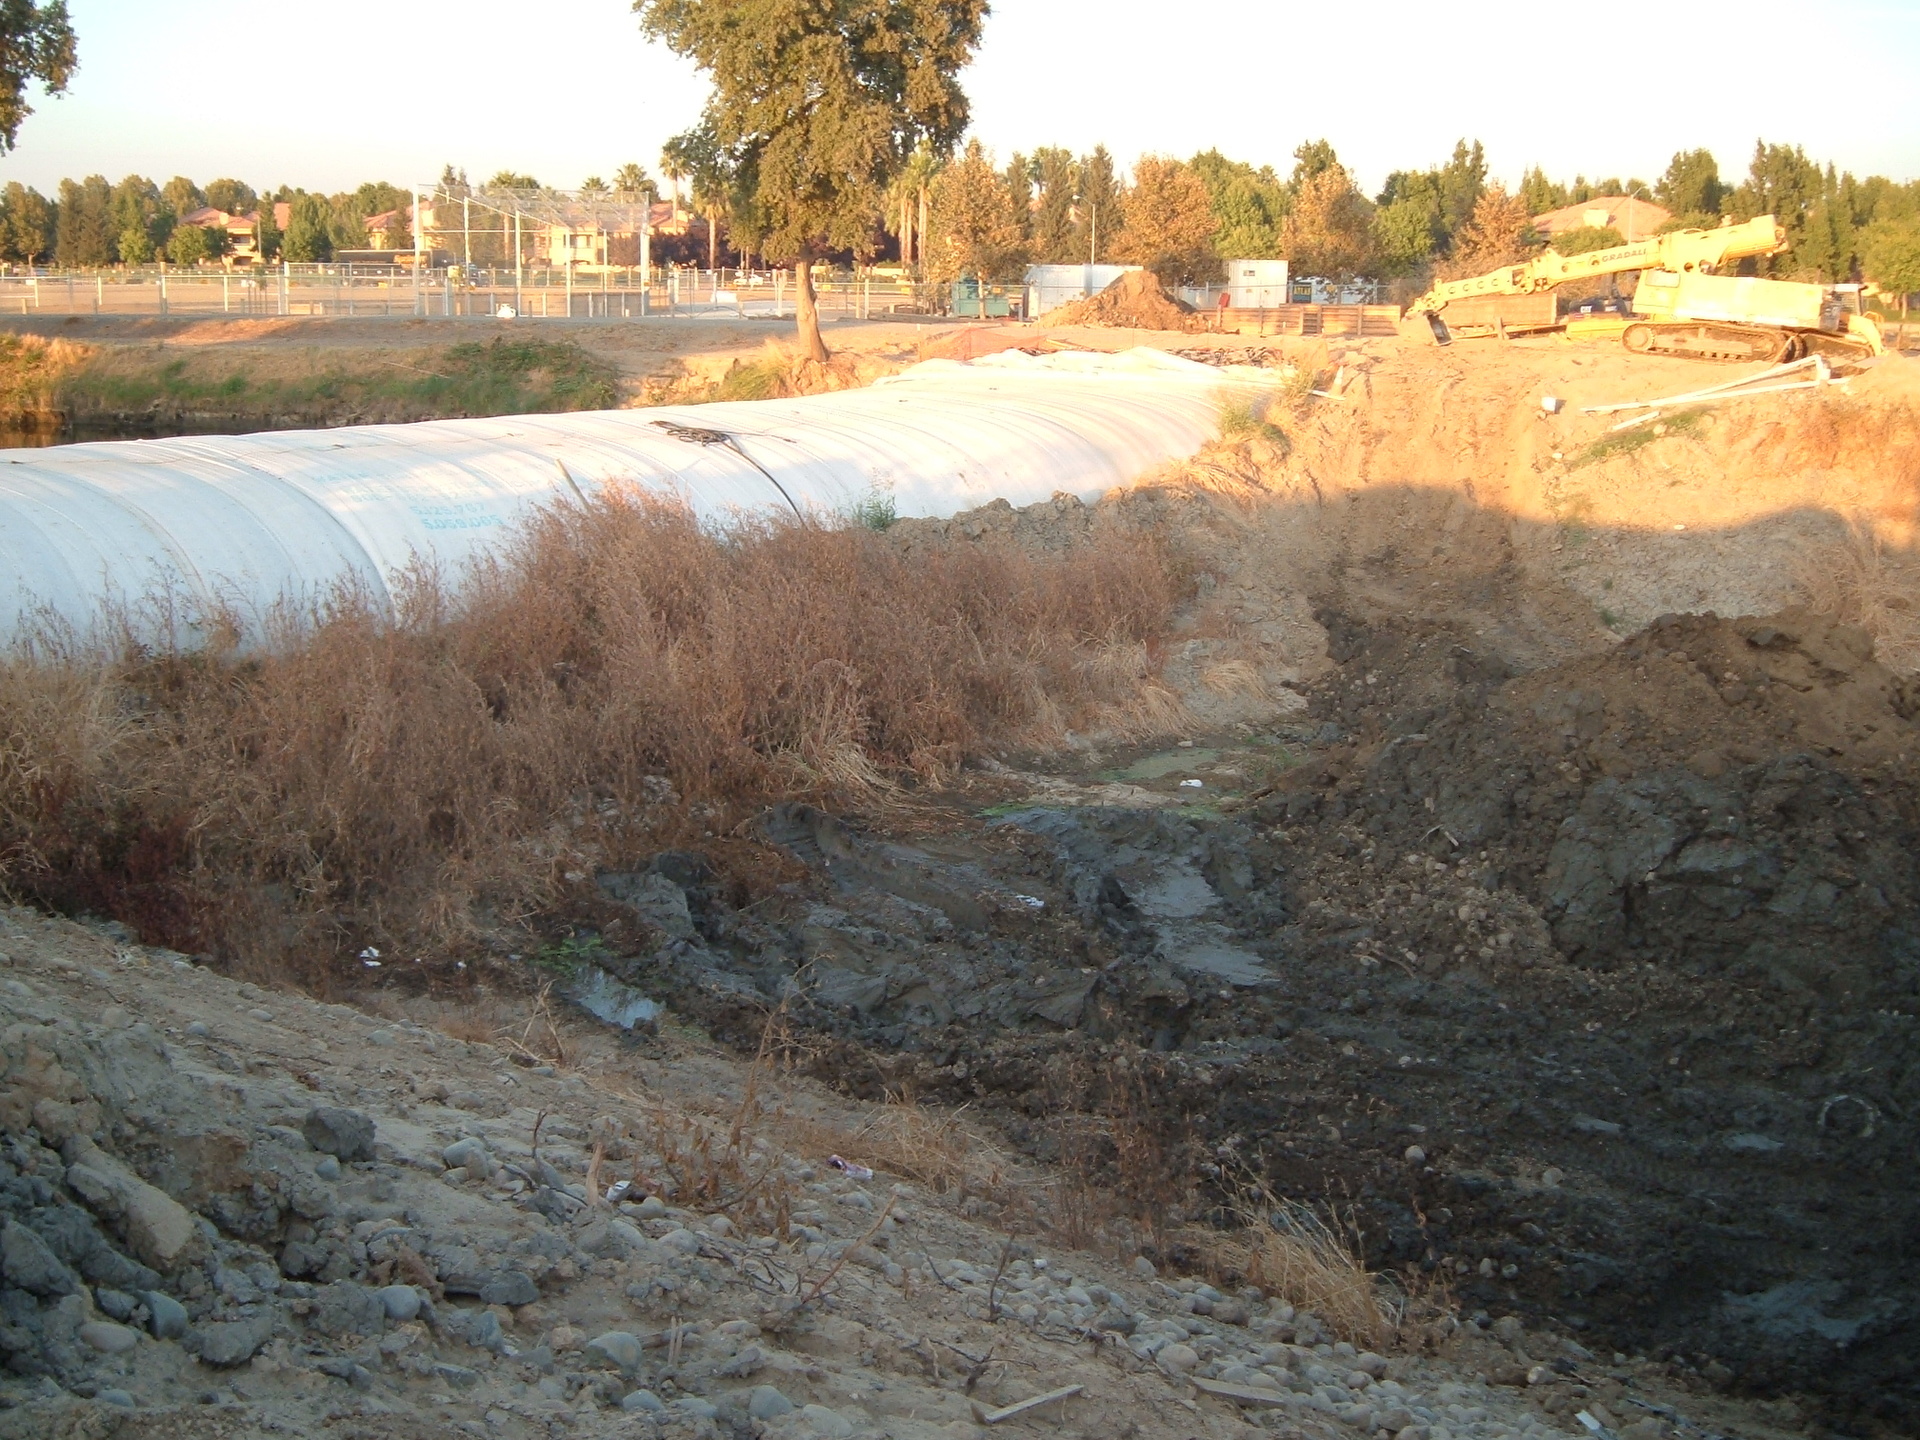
point(518, 274)
point(419, 295)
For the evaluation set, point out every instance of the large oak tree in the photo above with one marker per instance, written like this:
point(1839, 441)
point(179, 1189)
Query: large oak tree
point(36, 43)
point(819, 104)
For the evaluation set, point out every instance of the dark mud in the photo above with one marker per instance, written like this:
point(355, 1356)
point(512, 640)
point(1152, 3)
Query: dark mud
point(1591, 990)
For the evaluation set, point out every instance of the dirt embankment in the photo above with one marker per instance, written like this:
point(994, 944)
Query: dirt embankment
point(118, 376)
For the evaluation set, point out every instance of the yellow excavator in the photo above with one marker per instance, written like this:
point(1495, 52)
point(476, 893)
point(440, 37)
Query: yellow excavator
point(1681, 307)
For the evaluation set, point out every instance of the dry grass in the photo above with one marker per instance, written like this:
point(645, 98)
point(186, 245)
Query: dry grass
point(1857, 580)
point(1291, 1250)
point(618, 680)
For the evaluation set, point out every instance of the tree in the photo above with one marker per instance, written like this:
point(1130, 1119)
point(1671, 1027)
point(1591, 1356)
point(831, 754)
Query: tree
point(1407, 233)
point(1584, 239)
point(182, 195)
point(975, 230)
point(36, 43)
point(27, 231)
point(820, 106)
point(85, 227)
point(632, 179)
point(512, 180)
point(698, 157)
point(1311, 158)
point(1890, 258)
point(593, 185)
point(1500, 233)
point(135, 246)
point(235, 197)
point(138, 208)
point(309, 236)
point(1540, 193)
point(1691, 185)
point(1020, 193)
point(1170, 223)
point(1102, 209)
point(266, 232)
point(1329, 231)
point(1057, 180)
point(1248, 206)
point(188, 245)
point(1462, 181)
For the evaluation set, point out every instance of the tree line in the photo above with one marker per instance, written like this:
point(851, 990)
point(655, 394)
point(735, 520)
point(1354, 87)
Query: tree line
point(89, 223)
point(1181, 218)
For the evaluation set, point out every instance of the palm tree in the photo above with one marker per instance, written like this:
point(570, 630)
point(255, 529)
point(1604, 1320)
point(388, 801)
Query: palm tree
point(915, 184)
point(632, 179)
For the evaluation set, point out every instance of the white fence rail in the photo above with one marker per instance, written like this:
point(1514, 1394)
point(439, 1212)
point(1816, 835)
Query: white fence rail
point(603, 293)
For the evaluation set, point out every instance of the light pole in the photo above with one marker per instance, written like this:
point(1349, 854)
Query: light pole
point(1636, 190)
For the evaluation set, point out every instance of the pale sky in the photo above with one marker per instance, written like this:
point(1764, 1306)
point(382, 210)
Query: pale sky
point(327, 97)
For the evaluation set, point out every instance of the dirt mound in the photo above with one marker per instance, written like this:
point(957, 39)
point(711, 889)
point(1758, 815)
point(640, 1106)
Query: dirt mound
point(1133, 302)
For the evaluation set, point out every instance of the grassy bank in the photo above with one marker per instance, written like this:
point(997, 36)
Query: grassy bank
point(619, 680)
point(45, 384)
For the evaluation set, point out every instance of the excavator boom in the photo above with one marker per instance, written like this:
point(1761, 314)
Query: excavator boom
point(1684, 252)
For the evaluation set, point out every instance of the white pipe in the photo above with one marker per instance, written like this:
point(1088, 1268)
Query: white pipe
point(247, 522)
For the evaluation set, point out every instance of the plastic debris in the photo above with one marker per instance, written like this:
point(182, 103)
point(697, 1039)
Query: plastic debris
point(858, 1172)
point(1193, 784)
point(618, 1190)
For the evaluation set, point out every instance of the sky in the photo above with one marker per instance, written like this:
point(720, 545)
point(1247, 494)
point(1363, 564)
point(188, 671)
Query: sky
point(326, 98)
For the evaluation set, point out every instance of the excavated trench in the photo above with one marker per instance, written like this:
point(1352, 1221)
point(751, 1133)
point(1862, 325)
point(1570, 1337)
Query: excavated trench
point(1592, 991)
point(1573, 950)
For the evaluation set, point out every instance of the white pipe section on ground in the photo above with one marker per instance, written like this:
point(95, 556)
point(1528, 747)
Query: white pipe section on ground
point(174, 529)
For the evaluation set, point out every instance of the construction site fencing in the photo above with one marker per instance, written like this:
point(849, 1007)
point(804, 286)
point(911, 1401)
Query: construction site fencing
point(556, 292)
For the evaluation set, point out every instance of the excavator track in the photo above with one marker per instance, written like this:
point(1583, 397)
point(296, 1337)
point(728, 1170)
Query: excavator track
point(1704, 340)
point(1845, 349)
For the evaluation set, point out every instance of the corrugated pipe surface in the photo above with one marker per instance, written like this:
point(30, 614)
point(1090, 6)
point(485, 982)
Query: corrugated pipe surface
point(242, 522)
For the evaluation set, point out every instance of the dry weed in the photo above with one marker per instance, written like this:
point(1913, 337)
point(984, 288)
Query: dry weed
point(1855, 579)
point(1293, 1251)
point(619, 679)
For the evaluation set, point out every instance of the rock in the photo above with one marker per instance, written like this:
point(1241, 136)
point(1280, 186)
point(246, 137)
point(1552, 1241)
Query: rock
point(232, 1342)
point(471, 1155)
point(1232, 1311)
point(642, 1402)
point(700, 1409)
point(510, 1287)
point(115, 1304)
point(767, 1403)
point(347, 1134)
point(168, 1317)
point(683, 1240)
point(401, 1302)
point(481, 1329)
point(828, 1424)
point(29, 1265)
point(327, 1168)
point(619, 1348)
point(109, 1338)
point(198, 1029)
point(749, 1361)
point(1415, 1155)
point(265, 1017)
point(344, 1308)
point(1178, 1359)
point(1143, 1267)
point(1372, 1365)
point(116, 1397)
point(651, 1208)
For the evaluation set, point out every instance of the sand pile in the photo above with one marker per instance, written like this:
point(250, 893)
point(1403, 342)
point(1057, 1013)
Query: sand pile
point(1133, 302)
